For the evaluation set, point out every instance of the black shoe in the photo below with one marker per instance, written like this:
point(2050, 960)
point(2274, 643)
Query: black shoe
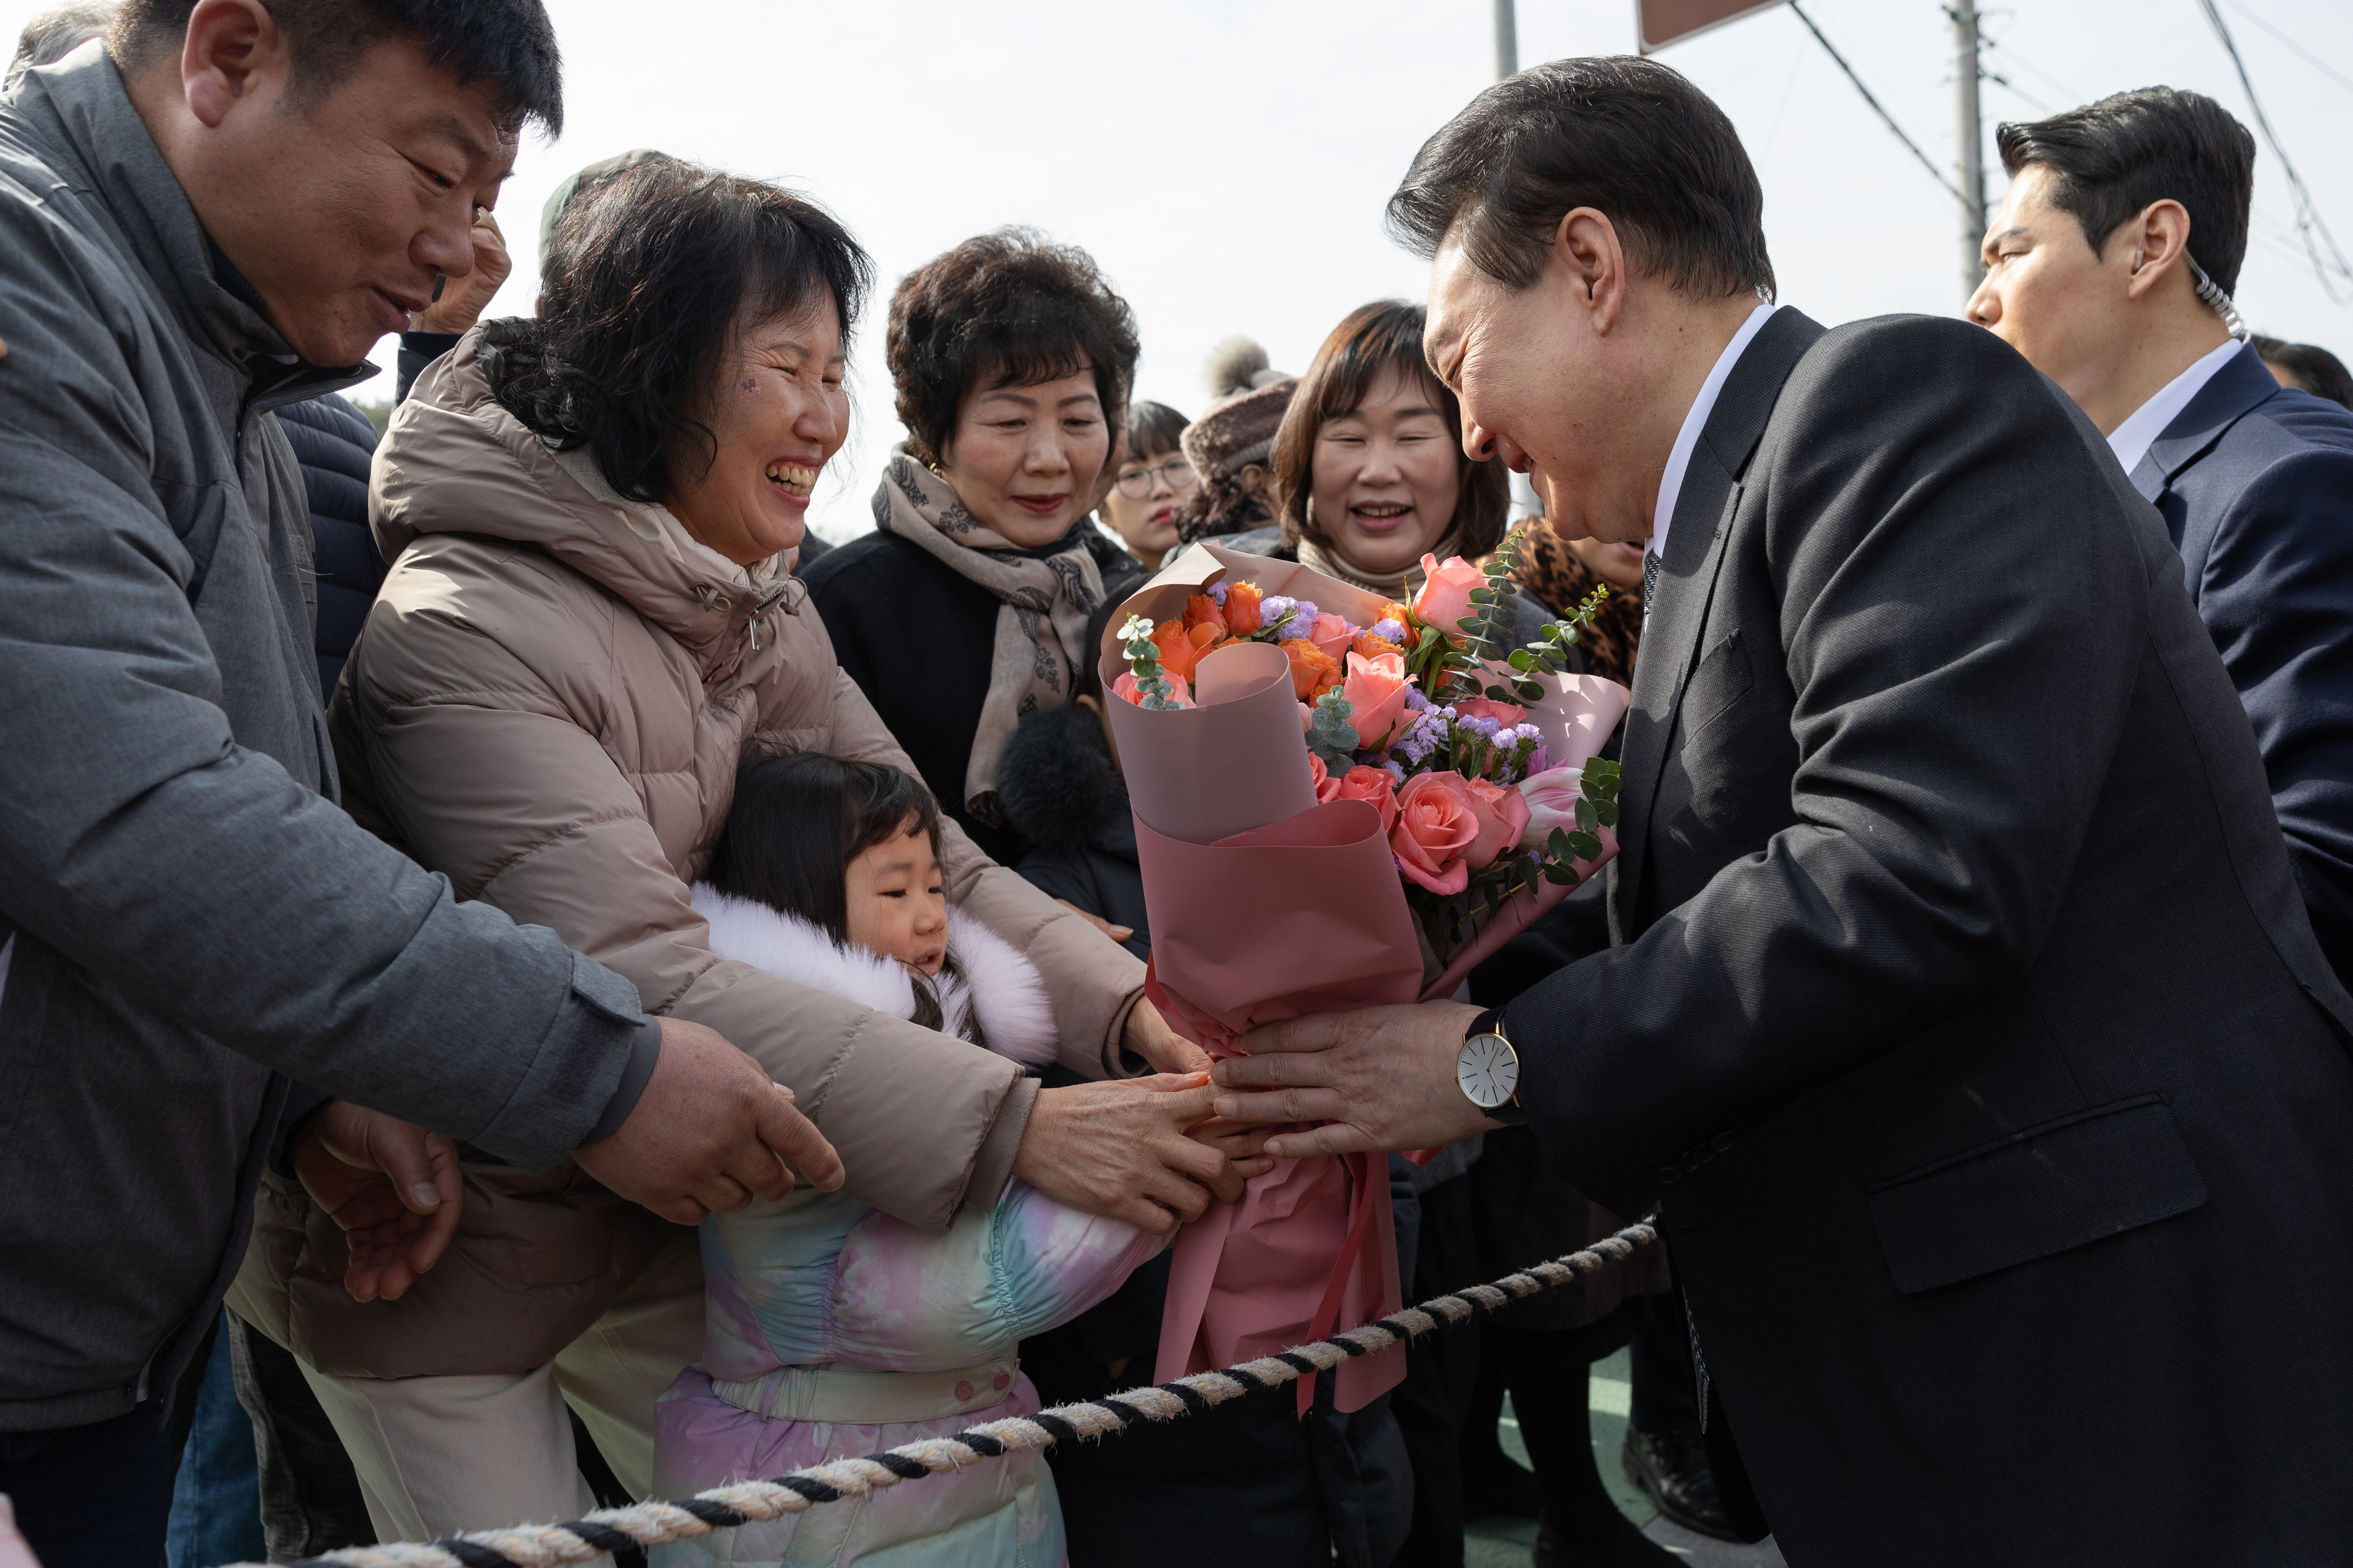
point(1673, 1470)
point(1623, 1547)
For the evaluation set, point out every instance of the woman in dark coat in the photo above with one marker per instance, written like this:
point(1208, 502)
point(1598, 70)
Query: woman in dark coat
point(967, 605)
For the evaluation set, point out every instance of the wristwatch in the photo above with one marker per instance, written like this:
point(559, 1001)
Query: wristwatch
point(1488, 1069)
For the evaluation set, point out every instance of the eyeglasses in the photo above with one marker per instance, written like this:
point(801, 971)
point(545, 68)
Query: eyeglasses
point(1176, 473)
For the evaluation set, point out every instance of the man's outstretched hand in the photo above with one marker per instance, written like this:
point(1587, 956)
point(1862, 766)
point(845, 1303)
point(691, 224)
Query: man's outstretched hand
point(1382, 1077)
point(393, 1186)
point(711, 1133)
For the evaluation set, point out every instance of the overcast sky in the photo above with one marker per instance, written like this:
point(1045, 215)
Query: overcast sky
point(1226, 160)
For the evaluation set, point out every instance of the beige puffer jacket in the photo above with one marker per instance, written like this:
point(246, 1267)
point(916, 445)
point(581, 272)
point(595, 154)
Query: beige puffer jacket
point(547, 706)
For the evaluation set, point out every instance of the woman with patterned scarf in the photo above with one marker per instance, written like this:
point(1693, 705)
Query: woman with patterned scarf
point(968, 607)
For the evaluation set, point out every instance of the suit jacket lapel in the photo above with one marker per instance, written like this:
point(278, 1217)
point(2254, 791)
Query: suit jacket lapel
point(1687, 571)
point(2233, 392)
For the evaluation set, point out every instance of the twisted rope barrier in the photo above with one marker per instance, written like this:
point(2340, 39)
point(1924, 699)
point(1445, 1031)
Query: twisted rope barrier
point(648, 1524)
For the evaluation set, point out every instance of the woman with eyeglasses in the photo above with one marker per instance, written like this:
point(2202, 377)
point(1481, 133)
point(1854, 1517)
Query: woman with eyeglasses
point(1154, 481)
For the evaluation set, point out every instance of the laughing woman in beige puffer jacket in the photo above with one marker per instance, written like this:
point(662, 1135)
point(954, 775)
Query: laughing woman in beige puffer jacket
point(589, 620)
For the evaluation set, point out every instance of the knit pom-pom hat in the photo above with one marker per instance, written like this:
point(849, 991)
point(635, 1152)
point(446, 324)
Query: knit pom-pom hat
point(1249, 399)
point(1236, 430)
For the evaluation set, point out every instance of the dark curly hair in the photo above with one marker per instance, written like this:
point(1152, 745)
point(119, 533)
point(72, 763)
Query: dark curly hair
point(1004, 310)
point(646, 277)
point(1384, 335)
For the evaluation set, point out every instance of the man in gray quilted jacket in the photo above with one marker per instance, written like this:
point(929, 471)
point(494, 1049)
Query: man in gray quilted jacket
point(215, 213)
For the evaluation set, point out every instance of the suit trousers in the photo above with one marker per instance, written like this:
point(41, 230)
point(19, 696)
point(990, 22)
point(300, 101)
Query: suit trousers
point(440, 1455)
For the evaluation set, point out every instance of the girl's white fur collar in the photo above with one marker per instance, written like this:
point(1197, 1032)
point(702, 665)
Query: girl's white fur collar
point(997, 984)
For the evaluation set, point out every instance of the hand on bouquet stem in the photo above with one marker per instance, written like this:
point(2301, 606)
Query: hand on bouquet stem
point(1121, 1149)
point(1149, 1037)
point(1381, 1077)
point(390, 1186)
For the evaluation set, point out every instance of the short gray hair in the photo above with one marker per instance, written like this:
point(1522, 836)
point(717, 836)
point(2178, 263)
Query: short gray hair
point(54, 34)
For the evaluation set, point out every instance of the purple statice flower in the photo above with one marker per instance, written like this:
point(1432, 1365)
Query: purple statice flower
point(1415, 701)
point(1397, 773)
point(1390, 630)
point(1482, 725)
point(1273, 611)
point(1217, 592)
point(1305, 614)
point(1426, 734)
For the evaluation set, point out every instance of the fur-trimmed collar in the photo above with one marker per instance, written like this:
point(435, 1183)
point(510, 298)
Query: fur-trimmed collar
point(997, 982)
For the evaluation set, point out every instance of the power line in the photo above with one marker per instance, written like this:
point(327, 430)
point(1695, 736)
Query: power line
point(2015, 90)
point(1934, 172)
point(2322, 67)
point(2308, 221)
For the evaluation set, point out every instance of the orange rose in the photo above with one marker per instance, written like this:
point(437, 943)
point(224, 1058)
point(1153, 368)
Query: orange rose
point(1312, 671)
point(1393, 611)
point(1374, 787)
point(1241, 608)
point(1181, 648)
point(1436, 826)
point(1372, 646)
point(1201, 610)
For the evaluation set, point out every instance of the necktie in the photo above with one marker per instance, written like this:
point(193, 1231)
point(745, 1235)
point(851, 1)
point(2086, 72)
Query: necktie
point(1649, 585)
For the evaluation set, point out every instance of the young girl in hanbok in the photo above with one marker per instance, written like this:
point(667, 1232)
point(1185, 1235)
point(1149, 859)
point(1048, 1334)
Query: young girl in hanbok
point(834, 1329)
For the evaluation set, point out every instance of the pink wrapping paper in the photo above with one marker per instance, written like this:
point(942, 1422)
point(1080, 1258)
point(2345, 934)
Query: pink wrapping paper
point(1267, 906)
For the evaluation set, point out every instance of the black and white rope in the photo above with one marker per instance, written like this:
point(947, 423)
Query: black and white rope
point(647, 1524)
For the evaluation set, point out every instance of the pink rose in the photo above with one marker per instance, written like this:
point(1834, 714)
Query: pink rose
point(1327, 788)
point(1503, 713)
point(1376, 689)
point(1372, 786)
point(1502, 817)
point(1124, 687)
point(1551, 797)
point(1332, 634)
point(1445, 599)
point(1436, 826)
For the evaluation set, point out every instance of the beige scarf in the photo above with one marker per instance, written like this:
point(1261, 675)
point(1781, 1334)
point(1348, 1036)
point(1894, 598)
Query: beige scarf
point(1311, 553)
point(1041, 623)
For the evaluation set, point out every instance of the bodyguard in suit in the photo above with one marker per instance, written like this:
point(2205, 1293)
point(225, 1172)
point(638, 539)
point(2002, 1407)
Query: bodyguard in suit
point(1960, 1015)
point(2109, 266)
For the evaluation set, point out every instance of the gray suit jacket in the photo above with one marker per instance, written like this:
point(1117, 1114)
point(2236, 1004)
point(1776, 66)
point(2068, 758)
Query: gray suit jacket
point(1963, 1013)
point(190, 909)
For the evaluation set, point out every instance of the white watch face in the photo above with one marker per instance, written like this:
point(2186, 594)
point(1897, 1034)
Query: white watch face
point(1488, 1069)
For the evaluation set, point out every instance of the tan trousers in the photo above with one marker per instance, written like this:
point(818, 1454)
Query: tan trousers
point(440, 1455)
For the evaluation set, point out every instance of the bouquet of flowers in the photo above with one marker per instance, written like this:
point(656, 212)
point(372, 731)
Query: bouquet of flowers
point(1342, 801)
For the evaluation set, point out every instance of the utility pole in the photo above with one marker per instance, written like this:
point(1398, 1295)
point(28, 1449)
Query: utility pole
point(1507, 40)
point(1970, 170)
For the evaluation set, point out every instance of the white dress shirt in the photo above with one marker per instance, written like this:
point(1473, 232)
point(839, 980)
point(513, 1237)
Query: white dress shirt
point(1671, 484)
point(2131, 440)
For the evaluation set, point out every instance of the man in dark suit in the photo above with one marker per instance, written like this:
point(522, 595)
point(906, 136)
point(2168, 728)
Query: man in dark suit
point(2109, 268)
point(1960, 1014)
